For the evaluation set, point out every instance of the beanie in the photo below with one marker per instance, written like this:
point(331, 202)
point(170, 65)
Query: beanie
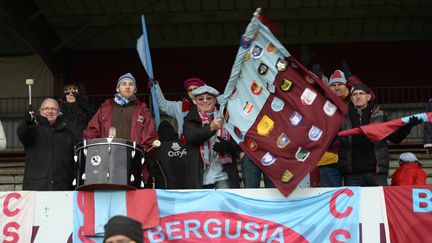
point(122, 225)
point(127, 76)
point(360, 86)
point(193, 81)
point(337, 77)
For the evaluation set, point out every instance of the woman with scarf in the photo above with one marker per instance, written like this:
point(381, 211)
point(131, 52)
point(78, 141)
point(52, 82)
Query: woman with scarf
point(211, 151)
point(76, 110)
point(130, 117)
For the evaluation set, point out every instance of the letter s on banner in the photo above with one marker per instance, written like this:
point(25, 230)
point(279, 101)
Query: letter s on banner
point(332, 203)
point(422, 200)
point(337, 232)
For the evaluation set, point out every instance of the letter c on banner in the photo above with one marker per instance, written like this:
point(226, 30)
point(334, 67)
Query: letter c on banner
point(6, 210)
point(337, 232)
point(332, 204)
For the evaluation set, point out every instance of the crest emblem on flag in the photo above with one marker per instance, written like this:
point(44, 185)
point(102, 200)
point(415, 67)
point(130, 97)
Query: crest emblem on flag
point(268, 159)
point(295, 119)
point(308, 97)
point(315, 133)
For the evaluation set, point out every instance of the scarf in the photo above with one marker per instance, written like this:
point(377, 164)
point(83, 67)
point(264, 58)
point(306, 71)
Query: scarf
point(206, 148)
point(120, 100)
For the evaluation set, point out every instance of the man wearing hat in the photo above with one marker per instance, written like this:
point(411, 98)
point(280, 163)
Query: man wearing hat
point(409, 171)
point(327, 165)
point(130, 118)
point(211, 150)
point(362, 162)
point(123, 229)
point(177, 109)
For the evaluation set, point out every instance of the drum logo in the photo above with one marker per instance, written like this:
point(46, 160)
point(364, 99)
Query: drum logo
point(95, 160)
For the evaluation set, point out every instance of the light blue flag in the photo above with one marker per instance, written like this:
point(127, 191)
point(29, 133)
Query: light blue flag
point(143, 50)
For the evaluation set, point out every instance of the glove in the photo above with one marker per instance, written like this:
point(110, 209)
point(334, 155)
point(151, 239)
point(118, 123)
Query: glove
point(413, 121)
point(223, 146)
point(152, 82)
point(29, 119)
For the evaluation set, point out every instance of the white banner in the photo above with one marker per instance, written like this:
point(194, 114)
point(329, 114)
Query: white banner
point(16, 217)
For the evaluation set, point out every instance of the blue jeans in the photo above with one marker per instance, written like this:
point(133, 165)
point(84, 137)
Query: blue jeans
point(330, 176)
point(252, 174)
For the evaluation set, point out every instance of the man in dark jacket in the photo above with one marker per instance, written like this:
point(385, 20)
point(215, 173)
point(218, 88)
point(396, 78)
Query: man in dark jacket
point(48, 145)
point(362, 162)
point(210, 149)
point(428, 131)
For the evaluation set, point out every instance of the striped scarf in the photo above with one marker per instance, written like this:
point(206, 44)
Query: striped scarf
point(206, 148)
point(120, 100)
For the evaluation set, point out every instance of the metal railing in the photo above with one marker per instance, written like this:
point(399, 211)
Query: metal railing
point(396, 101)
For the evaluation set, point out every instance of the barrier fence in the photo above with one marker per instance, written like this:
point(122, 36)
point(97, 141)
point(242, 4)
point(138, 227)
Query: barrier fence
point(396, 101)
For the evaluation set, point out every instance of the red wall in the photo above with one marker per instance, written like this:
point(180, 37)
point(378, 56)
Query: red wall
point(377, 64)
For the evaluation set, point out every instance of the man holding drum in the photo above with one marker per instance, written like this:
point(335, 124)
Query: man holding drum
point(130, 118)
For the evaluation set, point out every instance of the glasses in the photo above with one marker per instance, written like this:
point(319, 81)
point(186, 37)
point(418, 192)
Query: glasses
point(49, 109)
point(205, 98)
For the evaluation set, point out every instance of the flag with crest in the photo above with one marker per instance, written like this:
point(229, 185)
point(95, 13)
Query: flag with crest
point(277, 110)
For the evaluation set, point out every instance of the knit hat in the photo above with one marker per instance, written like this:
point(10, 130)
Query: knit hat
point(337, 77)
point(408, 157)
point(360, 86)
point(127, 76)
point(122, 225)
point(193, 81)
point(205, 89)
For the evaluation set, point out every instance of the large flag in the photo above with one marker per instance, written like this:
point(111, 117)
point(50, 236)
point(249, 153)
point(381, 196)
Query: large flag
point(409, 213)
point(16, 216)
point(378, 131)
point(143, 50)
point(278, 111)
point(92, 210)
point(217, 216)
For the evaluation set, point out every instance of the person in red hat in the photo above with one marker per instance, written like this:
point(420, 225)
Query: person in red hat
point(178, 109)
point(410, 172)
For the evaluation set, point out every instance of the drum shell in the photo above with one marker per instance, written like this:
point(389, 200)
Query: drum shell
point(109, 164)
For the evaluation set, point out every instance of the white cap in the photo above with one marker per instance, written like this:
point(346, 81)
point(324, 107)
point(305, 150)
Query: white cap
point(408, 157)
point(205, 89)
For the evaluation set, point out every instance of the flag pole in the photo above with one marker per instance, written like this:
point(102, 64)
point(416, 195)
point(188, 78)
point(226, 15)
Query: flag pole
point(149, 68)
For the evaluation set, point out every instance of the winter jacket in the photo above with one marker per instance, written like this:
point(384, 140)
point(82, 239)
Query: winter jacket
point(143, 129)
point(369, 157)
point(49, 150)
point(408, 174)
point(77, 115)
point(196, 134)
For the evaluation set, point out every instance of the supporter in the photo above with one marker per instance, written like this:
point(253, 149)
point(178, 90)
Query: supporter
point(362, 162)
point(328, 167)
point(123, 229)
point(172, 158)
point(48, 145)
point(211, 151)
point(130, 118)
point(76, 110)
point(409, 172)
point(177, 109)
point(428, 131)
point(2, 137)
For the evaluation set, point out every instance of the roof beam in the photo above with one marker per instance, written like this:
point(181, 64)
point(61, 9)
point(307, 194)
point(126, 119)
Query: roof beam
point(38, 32)
point(275, 15)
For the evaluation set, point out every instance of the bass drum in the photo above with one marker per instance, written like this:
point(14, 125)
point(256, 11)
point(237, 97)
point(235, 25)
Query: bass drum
point(109, 163)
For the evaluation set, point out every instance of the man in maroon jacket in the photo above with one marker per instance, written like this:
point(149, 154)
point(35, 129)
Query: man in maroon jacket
point(130, 117)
